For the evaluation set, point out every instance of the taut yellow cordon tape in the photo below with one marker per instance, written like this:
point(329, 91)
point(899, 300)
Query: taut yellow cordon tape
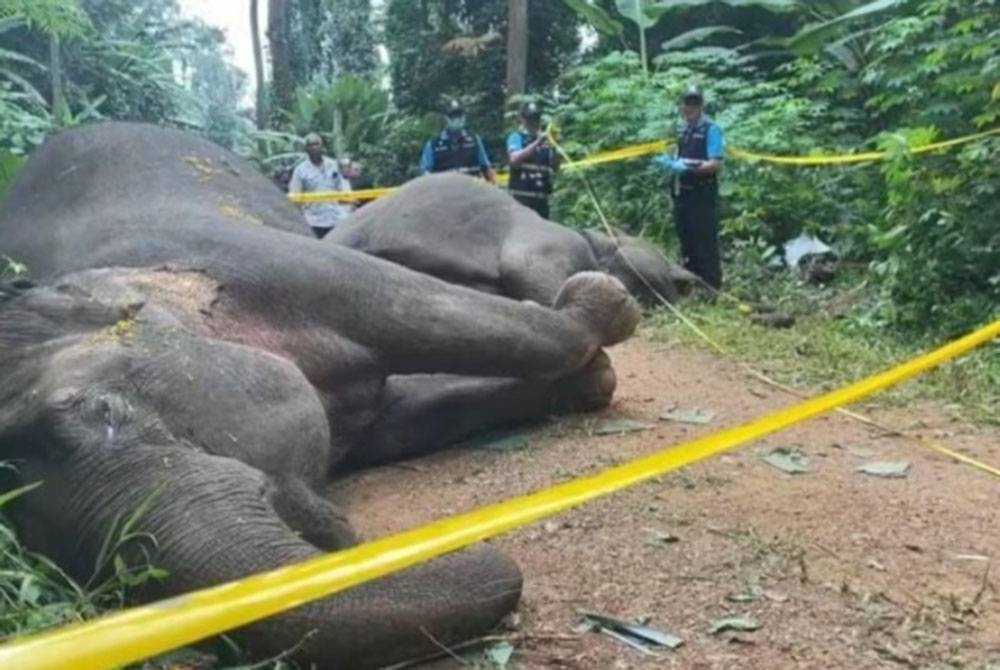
point(639, 150)
point(614, 156)
point(143, 632)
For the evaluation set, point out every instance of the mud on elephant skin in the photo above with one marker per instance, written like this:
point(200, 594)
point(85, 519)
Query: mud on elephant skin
point(234, 367)
point(467, 232)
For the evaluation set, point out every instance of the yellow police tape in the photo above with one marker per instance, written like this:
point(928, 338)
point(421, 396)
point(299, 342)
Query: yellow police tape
point(648, 148)
point(146, 631)
point(376, 193)
point(865, 157)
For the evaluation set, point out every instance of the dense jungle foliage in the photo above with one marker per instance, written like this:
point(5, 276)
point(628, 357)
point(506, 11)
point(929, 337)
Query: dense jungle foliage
point(917, 235)
point(781, 76)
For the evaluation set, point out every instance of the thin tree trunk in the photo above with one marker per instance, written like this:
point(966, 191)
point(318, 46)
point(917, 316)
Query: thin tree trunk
point(642, 37)
point(517, 46)
point(258, 66)
point(55, 72)
point(282, 77)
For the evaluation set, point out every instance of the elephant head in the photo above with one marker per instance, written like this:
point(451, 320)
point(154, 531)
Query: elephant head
point(645, 271)
point(110, 404)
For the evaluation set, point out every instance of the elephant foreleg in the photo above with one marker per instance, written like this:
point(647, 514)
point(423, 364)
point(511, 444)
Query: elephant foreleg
point(410, 323)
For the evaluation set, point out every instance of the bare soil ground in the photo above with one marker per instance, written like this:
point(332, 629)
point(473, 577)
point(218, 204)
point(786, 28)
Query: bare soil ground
point(840, 569)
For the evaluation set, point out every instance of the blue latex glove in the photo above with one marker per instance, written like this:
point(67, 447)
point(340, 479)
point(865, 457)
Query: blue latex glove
point(671, 164)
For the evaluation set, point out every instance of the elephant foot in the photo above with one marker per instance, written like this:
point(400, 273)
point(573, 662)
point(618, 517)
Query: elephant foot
point(588, 389)
point(602, 303)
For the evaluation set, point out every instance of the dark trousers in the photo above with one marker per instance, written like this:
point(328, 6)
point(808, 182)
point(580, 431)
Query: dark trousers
point(696, 215)
point(540, 205)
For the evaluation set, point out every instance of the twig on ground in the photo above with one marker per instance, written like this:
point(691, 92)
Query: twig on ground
point(444, 648)
point(827, 550)
point(407, 466)
point(985, 585)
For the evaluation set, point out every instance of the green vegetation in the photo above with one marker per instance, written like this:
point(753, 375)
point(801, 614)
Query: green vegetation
point(921, 228)
point(36, 594)
point(832, 345)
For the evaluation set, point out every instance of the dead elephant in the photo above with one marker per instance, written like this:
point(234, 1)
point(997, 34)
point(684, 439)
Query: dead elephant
point(179, 346)
point(466, 232)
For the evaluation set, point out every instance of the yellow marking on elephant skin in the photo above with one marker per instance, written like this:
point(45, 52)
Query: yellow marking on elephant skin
point(231, 209)
point(121, 332)
point(202, 167)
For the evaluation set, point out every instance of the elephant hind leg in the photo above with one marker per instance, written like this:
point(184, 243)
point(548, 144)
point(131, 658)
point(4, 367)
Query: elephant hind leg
point(586, 390)
point(317, 521)
point(424, 413)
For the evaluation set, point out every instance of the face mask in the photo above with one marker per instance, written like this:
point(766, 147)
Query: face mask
point(456, 123)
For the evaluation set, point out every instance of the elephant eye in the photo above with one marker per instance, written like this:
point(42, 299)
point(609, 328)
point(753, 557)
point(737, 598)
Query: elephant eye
point(112, 412)
point(106, 411)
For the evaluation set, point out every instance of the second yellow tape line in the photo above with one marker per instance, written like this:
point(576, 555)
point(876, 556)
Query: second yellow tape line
point(143, 632)
point(639, 150)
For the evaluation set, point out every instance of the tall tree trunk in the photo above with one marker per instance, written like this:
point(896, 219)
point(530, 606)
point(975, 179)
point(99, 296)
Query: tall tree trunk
point(55, 73)
point(282, 76)
point(517, 46)
point(258, 66)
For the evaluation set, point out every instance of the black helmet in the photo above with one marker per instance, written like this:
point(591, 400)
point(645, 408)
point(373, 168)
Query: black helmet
point(454, 108)
point(693, 94)
point(531, 110)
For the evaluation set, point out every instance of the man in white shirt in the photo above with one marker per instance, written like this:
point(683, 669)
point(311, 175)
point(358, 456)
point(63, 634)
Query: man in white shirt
point(319, 173)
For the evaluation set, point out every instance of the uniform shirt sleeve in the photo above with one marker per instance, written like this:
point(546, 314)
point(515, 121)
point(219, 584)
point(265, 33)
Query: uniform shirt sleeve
point(716, 143)
point(482, 157)
point(514, 142)
point(295, 185)
point(427, 158)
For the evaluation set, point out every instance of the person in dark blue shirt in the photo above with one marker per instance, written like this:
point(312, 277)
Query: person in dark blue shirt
point(456, 149)
point(533, 163)
point(695, 188)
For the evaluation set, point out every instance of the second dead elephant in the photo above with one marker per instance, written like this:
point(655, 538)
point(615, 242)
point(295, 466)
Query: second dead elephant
point(467, 232)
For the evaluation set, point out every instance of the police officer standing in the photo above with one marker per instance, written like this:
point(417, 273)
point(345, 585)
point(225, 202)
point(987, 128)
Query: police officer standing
point(456, 149)
point(695, 188)
point(533, 163)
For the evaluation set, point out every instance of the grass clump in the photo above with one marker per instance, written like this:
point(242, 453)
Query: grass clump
point(36, 595)
point(837, 339)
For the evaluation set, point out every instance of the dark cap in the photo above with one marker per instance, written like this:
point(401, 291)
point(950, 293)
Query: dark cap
point(692, 94)
point(454, 108)
point(531, 110)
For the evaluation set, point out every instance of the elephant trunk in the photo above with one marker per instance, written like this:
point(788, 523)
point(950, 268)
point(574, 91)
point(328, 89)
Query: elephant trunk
point(214, 522)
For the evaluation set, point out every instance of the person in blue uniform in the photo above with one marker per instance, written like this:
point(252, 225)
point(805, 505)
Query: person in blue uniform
point(695, 187)
point(456, 149)
point(533, 162)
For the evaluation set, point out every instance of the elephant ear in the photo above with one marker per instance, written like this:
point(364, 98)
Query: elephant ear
point(603, 247)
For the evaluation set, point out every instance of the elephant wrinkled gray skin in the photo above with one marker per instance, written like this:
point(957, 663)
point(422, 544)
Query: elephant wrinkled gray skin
point(465, 232)
point(178, 346)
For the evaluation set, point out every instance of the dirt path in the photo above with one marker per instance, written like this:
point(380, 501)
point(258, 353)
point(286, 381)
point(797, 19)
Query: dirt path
point(840, 569)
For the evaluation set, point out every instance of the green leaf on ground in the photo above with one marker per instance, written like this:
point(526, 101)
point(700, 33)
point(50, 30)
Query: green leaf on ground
point(752, 594)
point(620, 427)
point(886, 469)
point(791, 461)
point(861, 452)
point(498, 441)
point(659, 538)
point(692, 416)
point(499, 655)
point(737, 623)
